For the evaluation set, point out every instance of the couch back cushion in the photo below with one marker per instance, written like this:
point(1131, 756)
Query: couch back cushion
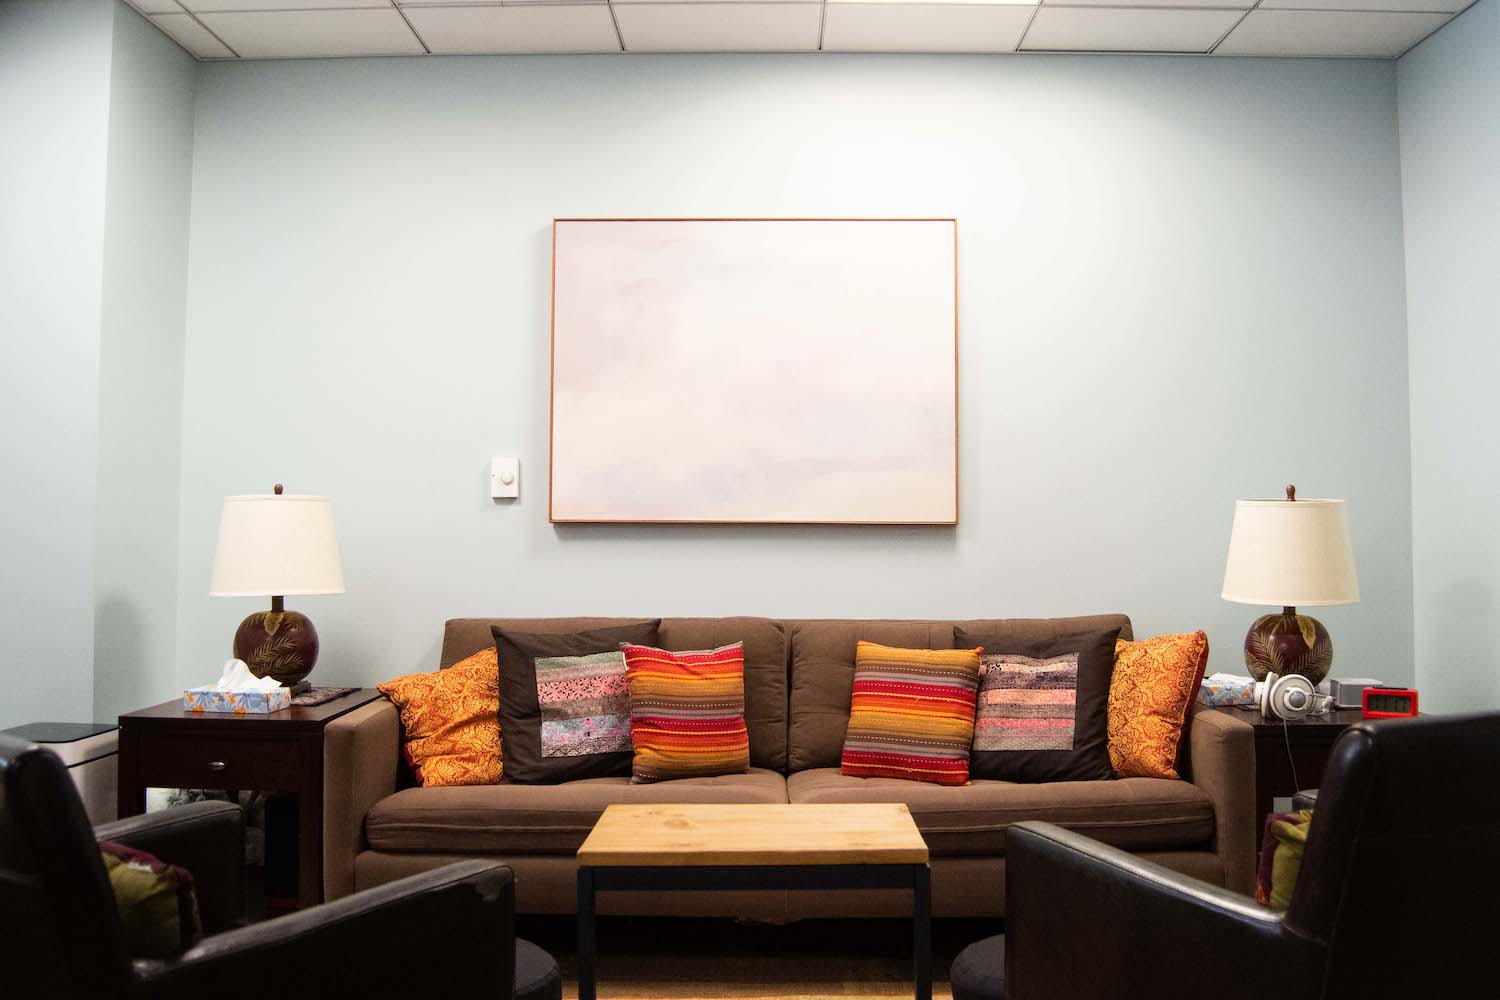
point(765, 662)
point(822, 668)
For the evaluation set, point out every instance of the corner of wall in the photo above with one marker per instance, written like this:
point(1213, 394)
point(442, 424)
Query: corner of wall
point(141, 355)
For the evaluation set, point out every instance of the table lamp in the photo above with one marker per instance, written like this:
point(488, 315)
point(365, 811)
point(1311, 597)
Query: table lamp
point(1295, 553)
point(277, 546)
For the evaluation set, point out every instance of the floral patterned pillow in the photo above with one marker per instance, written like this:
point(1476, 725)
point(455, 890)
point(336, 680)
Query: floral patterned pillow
point(1150, 694)
point(448, 718)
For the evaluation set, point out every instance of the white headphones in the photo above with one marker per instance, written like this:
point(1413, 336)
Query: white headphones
point(1289, 697)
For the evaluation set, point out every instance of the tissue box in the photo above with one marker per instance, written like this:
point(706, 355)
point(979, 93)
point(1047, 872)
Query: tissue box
point(208, 699)
point(1224, 689)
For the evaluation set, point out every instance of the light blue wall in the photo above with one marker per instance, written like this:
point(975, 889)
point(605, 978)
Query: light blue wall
point(54, 110)
point(95, 158)
point(140, 366)
point(1449, 93)
point(1180, 283)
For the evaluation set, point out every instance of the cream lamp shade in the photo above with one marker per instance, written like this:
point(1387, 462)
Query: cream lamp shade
point(276, 546)
point(1293, 553)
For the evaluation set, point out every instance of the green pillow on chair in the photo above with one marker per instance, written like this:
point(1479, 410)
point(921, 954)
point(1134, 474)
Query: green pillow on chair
point(157, 905)
point(1281, 857)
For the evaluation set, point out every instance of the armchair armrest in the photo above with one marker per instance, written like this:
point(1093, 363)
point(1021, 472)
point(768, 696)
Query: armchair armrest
point(1085, 921)
point(206, 838)
point(360, 752)
point(1221, 761)
point(443, 933)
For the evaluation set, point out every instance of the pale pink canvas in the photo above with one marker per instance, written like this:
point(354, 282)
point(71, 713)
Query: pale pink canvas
point(754, 371)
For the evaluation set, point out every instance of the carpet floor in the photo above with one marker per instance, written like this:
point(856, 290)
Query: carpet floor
point(683, 959)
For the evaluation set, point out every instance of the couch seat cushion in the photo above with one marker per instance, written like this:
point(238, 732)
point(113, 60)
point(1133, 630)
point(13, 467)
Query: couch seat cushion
point(538, 819)
point(1138, 814)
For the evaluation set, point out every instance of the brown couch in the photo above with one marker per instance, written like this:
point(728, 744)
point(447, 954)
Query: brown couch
point(798, 677)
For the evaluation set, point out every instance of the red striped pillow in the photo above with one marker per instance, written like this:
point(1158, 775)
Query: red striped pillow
point(912, 714)
point(687, 712)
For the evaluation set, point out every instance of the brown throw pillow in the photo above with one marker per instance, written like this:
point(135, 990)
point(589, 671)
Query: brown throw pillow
point(1043, 707)
point(580, 728)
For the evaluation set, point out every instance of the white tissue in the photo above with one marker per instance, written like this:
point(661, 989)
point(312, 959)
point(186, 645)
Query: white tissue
point(237, 677)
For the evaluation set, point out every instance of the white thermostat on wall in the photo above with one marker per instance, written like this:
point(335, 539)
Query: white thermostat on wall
point(505, 478)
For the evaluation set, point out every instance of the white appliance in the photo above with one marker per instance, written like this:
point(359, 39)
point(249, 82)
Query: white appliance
point(89, 749)
point(1348, 692)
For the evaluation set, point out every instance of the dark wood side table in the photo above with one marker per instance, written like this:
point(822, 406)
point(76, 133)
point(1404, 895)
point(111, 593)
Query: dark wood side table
point(166, 747)
point(1311, 741)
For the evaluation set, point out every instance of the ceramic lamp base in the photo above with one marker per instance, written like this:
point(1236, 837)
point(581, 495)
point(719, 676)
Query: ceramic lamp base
point(1288, 643)
point(279, 644)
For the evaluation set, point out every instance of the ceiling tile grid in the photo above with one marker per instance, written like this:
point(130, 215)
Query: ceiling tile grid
point(299, 29)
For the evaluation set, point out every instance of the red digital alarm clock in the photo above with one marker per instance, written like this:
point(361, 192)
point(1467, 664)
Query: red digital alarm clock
point(1388, 703)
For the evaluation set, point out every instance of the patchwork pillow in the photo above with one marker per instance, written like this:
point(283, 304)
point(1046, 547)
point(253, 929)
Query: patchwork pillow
point(1152, 689)
point(452, 736)
point(911, 714)
point(564, 702)
point(157, 906)
point(1043, 707)
point(1282, 846)
point(687, 712)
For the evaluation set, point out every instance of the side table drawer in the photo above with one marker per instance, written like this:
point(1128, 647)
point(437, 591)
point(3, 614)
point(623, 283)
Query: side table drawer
point(189, 761)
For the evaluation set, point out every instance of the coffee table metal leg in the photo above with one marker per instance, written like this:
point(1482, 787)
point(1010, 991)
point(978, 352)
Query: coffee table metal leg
point(921, 891)
point(585, 934)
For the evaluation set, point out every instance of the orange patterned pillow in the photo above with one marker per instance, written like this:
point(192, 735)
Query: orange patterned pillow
point(451, 722)
point(1153, 687)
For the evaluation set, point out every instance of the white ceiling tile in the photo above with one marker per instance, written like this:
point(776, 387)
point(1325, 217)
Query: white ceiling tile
point(156, 6)
point(619, 3)
point(1379, 35)
point(1446, 6)
point(884, 26)
point(218, 6)
point(718, 27)
point(549, 28)
point(492, 3)
point(1237, 4)
point(191, 35)
point(297, 34)
point(1104, 29)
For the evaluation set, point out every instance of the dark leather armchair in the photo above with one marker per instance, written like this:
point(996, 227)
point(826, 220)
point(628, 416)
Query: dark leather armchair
point(445, 933)
point(1398, 896)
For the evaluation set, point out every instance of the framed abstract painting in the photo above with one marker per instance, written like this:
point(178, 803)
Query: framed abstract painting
point(790, 371)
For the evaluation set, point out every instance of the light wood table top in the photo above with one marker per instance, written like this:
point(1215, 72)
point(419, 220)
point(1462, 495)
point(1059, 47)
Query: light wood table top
point(760, 834)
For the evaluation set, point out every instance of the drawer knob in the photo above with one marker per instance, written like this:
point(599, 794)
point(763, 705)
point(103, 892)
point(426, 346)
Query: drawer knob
point(216, 765)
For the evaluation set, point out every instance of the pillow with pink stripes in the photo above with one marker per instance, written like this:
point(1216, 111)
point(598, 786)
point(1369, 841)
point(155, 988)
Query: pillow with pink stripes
point(1043, 707)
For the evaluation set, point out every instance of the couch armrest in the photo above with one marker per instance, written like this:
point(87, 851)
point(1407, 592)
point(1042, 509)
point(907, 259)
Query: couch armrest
point(206, 838)
point(1085, 921)
point(361, 750)
point(1221, 761)
point(443, 933)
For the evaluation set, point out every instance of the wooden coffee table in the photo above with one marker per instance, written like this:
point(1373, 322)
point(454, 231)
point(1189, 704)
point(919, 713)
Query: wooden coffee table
point(747, 847)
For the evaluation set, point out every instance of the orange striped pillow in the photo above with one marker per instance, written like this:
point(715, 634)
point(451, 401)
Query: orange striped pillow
point(687, 712)
point(912, 714)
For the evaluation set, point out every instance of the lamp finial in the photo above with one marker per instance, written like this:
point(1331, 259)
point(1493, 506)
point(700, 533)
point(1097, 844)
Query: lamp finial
point(1291, 491)
point(278, 490)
